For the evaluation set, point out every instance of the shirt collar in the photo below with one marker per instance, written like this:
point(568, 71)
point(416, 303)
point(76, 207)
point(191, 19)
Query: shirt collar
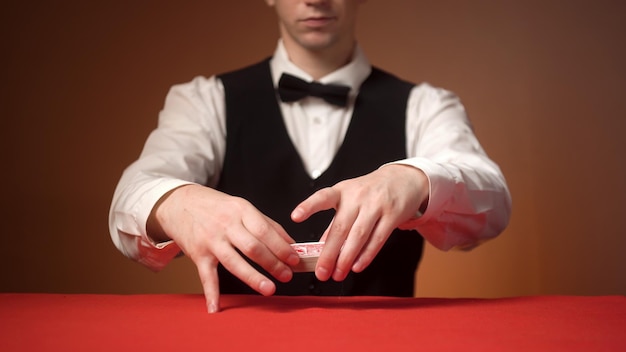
point(353, 74)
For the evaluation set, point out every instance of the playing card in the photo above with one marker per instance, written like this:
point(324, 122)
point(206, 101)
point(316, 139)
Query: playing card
point(308, 252)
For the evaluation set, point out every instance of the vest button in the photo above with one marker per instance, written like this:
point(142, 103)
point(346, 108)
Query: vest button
point(313, 289)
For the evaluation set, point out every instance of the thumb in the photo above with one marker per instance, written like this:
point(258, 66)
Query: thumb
point(324, 199)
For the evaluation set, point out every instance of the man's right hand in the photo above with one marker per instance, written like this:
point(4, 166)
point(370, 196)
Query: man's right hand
point(210, 226)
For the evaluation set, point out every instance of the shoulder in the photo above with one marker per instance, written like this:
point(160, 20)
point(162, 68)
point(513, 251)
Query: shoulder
point(208, 90)
point(427, 95)
point(200, 95)
point(197, 89)
point(259, 68)
point(381, 74)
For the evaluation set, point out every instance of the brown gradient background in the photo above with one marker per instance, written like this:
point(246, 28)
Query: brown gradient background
point(543, 81)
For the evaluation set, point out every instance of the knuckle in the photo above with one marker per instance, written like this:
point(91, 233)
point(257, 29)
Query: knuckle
point(339, 227)
point(252, 278)
point(229, 258)
point(238, 203)
point(344, 262)
point(379, 237)
point(276, 268)
point(327, 192)
point(206, 280)
point(251, 248)
point(248, 277)
point(359, 233)
point(260, 229)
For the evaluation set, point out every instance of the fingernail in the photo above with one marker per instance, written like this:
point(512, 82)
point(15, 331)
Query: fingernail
point(266, 287)
point(212, 308)
point(339, 275)
point(322, 273)
point(297, 213)
point(357, 266)
point(293, 259)
point(285, 275)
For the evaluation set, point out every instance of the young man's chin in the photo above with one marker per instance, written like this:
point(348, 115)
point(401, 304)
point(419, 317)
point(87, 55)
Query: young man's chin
point(318, 41)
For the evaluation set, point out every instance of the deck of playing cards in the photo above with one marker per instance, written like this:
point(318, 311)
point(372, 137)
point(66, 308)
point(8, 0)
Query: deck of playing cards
point(308, 252)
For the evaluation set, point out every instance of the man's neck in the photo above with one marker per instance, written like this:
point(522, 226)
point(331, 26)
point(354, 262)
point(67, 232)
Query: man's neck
point(319, 63)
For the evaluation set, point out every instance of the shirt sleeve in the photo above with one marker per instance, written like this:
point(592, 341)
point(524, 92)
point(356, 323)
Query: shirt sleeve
point(469, 199)
point(187, 147)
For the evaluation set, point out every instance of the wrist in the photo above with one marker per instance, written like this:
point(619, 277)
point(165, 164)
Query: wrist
point(158, 216)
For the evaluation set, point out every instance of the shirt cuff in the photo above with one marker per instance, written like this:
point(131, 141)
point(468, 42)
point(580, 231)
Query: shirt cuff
point(130, 226)
point(440, 187)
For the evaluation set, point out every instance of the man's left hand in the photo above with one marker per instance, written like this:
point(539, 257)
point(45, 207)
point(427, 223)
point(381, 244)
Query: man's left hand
point(368, 209)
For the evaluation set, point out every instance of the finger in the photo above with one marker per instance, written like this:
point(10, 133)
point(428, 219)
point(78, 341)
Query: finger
point(259, 241)
point(377, 239)
point(358, 237)
point(279, 230)
point(285, 253)
point(207, 270)
point(337, 233)
point(324, 199)
point(325, 234)
point(238, 266)
point(256, 251)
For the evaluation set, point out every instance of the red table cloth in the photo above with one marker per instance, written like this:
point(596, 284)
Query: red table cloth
point(51, 322)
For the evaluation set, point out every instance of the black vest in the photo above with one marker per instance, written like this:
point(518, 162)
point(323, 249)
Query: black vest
point(262, 165)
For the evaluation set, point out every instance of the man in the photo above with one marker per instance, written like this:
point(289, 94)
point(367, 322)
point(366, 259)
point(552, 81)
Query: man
point(242, 164)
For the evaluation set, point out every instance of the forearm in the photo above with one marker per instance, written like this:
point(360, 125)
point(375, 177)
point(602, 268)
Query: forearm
point(186, 148)
point(468, 197)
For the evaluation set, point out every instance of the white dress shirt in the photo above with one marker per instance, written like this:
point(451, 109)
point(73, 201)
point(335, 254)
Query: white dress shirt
point(469, 200)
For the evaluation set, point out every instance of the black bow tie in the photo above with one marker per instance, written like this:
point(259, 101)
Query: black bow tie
point(292, 88)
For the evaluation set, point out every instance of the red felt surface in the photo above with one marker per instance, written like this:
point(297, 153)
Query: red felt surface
point(49, 322)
